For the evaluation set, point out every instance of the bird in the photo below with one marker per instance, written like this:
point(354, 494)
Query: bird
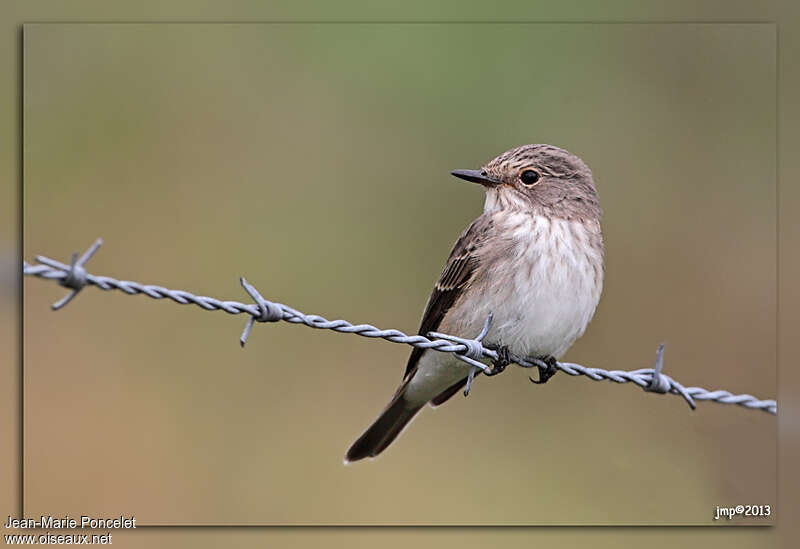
point(533, 260)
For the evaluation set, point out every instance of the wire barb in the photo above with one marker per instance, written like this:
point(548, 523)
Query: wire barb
point(267, 310)
point(76, 275)
point(473, 351)
point(660, 383)
point(470, 351)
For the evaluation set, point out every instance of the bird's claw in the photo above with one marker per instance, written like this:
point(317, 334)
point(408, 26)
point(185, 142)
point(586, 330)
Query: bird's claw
point(499, 364)
point(545, 372)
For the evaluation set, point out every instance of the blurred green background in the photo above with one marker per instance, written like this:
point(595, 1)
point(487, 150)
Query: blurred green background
point(314, 160)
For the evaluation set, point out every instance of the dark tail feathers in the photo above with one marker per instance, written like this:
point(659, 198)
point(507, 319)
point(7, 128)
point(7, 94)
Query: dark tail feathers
point(384, 430)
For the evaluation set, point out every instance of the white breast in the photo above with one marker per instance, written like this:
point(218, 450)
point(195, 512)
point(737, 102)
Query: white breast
point(541, 279)
point(542, 289)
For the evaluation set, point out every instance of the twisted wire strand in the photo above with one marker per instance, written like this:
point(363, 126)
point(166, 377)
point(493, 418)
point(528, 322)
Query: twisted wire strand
point(471, 351)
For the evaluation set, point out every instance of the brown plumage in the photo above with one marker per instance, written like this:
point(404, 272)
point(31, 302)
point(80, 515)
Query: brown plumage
point(533, 259)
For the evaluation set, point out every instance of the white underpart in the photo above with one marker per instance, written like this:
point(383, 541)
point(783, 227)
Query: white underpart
point(550, 292)
point(542, 297)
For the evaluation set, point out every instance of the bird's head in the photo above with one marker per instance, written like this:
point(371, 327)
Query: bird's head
point(537, 178)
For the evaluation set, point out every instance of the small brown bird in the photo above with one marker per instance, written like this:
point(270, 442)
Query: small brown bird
point(533, 259)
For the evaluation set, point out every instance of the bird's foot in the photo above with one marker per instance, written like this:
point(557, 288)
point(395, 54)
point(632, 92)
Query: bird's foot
point(499, 364)
point(545, 372)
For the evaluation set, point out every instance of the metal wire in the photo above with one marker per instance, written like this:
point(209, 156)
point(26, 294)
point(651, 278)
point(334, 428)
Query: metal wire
point(470, 351)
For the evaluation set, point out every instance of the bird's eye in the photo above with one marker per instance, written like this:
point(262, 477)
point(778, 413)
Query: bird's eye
point(529, 177)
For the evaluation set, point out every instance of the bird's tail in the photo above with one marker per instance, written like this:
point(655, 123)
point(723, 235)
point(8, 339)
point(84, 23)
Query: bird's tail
point(385, 429)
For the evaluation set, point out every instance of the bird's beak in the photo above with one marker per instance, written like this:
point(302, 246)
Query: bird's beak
point(477, 176)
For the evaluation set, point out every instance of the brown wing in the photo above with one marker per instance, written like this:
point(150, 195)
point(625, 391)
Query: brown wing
point(455, 277)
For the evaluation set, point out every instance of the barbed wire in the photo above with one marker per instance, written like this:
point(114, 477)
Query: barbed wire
point(470, 351)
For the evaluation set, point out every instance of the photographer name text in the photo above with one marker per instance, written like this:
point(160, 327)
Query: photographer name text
point(49, 521)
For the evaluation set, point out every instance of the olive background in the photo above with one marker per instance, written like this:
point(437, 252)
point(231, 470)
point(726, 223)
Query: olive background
point(201, 153)
point(314, 160)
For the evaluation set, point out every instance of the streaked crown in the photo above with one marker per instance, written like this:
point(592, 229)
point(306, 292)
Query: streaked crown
point(544, 178)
